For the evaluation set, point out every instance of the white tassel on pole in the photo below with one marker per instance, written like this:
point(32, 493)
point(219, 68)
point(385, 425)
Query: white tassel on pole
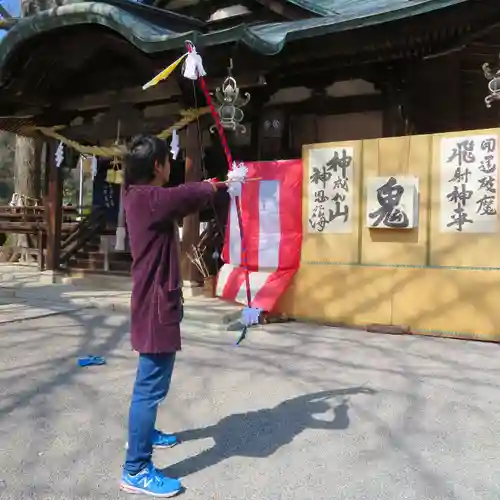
point(59, 154)
point(193, 65)
point(120, 229)
point(93, 167)
point(236, 178)
point(175, 144)
point(120, 239)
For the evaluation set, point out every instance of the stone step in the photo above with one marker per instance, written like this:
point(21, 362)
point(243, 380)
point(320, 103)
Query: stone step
point(197, 310)
point(97, 279)
point(92, 264)
point(97, 256)
point(211, 312)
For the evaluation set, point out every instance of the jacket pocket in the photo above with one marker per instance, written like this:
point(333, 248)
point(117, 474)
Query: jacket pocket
point(170, 307)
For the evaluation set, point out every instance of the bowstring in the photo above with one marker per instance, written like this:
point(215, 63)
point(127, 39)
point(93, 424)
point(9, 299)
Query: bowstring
point(205, 175)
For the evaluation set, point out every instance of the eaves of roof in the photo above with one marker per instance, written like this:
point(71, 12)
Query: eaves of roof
point(152, 32)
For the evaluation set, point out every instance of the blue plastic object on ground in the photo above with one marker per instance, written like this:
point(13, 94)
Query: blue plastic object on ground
point(91, 360)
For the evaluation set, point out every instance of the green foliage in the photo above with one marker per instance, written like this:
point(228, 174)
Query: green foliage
point(70, 186)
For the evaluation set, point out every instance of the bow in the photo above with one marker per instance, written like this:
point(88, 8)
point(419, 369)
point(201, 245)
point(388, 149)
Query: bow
point(237, 173)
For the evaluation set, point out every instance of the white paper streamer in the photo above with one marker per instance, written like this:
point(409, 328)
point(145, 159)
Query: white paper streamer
point(175, 144)
point(59, 154)
point(93, 166)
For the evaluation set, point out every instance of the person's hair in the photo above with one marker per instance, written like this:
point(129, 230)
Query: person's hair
point(143, 152)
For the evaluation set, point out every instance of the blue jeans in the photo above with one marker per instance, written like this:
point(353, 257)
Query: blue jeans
point(152, 382)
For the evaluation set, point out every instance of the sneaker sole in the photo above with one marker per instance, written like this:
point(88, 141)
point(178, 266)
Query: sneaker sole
point(132, 489)
point(164, 446)
point(161, 446)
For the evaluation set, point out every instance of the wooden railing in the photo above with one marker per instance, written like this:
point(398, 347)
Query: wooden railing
point(31, 220)
point(76, 229)
point(85, 231)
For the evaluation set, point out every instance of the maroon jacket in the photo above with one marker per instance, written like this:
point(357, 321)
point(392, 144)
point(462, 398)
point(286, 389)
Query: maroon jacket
point(156, 305)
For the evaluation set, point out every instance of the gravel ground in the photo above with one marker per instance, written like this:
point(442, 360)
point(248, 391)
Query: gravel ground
point(297, 412)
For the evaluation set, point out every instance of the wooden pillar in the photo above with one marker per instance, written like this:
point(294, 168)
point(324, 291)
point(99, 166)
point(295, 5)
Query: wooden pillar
point(437, 98)
point(191, 224)
point(53, 208)
point(395, 119)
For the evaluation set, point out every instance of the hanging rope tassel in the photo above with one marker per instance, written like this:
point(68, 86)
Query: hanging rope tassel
point(194, 70)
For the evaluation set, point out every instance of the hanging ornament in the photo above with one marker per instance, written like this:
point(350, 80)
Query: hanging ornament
point(115, 174)
point(59, 156)
point(110, 176)
point(229, 103)
point(493, 84)
point(116, 171)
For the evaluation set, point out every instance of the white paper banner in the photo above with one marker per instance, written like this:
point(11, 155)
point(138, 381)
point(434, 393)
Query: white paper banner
point(330, 190)
point(469, 178)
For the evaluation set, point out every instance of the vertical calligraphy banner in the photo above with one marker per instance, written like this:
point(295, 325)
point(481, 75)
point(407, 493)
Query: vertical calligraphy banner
point(330, 189)
point(468, 187)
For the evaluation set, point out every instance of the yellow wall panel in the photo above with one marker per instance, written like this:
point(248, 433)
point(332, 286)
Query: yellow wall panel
point(391, 157)
point(340, 294)
point(421, 278)
point(449, 301)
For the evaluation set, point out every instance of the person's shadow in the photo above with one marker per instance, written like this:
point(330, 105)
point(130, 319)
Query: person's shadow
point(261, 433)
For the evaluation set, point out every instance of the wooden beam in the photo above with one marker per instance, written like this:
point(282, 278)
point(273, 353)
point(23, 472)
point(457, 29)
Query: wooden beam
point(161, 92)
point(33, 227)
point(100, 131)
point(333, 105)
point(53, 202)
point(165, 93)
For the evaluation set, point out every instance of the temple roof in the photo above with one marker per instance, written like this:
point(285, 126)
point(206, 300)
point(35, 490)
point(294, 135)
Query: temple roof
point(84, 48)
point(366, 8)
point(154, 30)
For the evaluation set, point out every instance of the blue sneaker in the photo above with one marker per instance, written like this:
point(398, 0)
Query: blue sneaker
point(162, 440)
point(152, 482)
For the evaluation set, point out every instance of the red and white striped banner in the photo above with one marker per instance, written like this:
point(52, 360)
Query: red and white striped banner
point(272, 224)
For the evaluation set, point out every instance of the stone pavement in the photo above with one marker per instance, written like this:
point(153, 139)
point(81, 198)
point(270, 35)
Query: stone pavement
point(24, 295)
point(296, 412)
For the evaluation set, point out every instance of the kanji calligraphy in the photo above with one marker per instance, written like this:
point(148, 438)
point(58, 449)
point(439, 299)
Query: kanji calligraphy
point(330, 189)
point(392, 202)
point(468, 194)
